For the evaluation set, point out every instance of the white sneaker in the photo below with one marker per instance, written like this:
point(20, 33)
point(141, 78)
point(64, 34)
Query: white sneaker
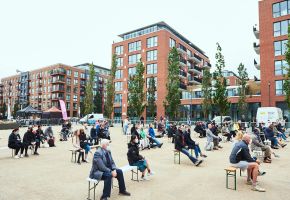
point(21, 156)
point(151, 173)
point(258, 188)
point(16, 157)
point(145, 178)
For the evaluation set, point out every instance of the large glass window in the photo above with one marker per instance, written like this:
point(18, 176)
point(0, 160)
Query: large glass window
point(131, 71)
point(151, 55)
point(276, 10)
point(118, 86)
point(152, 42)
point(279, 88)
point(281, 67)
point(148, 81)
point(280, 47)
point(284, 27)
point(281, 28)
point(172, 43)
point(134, 46)
point(133, 59)
point(118, 98)
point(152, 68)
point(119, 74)
point(119, 62)
point(281, 8)
point(119, 50)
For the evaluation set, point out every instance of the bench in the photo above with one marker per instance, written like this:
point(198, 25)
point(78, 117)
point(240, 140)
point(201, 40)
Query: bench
point(176, 153)
point(124, 169)
point(232, 172)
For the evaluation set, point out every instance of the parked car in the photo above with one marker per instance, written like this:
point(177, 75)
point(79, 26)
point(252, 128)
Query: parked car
point(91, 118)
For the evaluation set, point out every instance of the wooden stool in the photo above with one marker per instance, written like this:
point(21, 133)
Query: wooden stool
point(232, 172)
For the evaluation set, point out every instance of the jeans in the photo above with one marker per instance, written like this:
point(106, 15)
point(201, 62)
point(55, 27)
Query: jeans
point(274, 141)
point(197, 150)
point(156, 141)
point(184, 151)
point(87, 148)
point(125, 129)
point(107, 178)
point(282, 135)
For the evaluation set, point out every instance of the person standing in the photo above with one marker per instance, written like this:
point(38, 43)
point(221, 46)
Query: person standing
point(104, 168)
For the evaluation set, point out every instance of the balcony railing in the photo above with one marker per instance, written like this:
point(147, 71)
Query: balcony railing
point(59, 71)
point(181, 49)
point(256, 48)
point(194, 80)
point(182, 87)
point(182, 74)
point(256, 32)
point(195, 69)
point(257, 65)
point(58, 80)
point(207, 65)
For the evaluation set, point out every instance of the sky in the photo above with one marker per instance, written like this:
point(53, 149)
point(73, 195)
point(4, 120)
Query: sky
point(38, 33)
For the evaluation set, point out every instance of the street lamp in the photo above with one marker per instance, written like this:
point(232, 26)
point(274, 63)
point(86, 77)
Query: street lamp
point(269, 86)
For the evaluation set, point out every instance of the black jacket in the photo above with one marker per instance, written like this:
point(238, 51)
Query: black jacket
point(93, 133)
point(133, 154)
point(28, 137)
point(179, 140)
point(13, 140)
point(188, 141)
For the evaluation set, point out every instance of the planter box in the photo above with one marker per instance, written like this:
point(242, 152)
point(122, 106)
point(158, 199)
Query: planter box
point(8, 126)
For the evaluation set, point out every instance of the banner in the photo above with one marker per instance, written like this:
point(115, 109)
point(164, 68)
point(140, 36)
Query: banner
point(63, 109)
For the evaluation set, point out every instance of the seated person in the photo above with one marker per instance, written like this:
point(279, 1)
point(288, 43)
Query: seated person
point(104, 168)
point(135, 159)
point(84, 143)
point(210, 138)
point(29, 139)
point(161, 129)
point(152, 136)
point(136, 130)
point(199, 129)
point(257, 143)
point(48, 133)
point(144, 142)
point(240, 157)
point(226, 132)
point(269, 133)
point(76, 144)
point(14, 142)
point(180, 146)
point(192, 144)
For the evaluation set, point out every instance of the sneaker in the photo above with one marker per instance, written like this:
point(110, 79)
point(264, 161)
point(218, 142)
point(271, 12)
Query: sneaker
point(160, 145)
point(21, 156)
point(16, 157)
point(198, 163)
point(258, 189)
point(144, 178)
point(125, 193)
point(151, 173)
point(261, 173)
point(284, 145)
point(35, 153)
point(220, 147)
point(215, 148)
point(204, 156)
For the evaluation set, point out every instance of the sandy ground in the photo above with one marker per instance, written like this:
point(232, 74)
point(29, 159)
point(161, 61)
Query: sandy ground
point(52, 176)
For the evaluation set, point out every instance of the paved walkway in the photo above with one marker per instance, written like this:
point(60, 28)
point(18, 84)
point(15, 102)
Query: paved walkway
point(52, 176)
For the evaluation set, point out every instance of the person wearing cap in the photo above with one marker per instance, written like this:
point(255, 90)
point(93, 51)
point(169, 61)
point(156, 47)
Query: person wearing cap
point(14, 142)
point(240, 157)
point(104, 168)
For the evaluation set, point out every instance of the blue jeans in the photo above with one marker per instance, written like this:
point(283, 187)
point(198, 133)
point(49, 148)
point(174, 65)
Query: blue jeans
point(282, 135)
point(197, 150)
point(274, 141)
point(125, 129)
point(156, 141)
point(87, 149)
point(107, 178)
point(185, 151)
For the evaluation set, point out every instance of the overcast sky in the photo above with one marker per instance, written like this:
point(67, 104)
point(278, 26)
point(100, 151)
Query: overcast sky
point(37, 33)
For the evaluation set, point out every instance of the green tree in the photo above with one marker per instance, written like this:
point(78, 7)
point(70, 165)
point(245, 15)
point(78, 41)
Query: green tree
point(136, 94)
point(3, 110)
point(243, 75)
point(15, 109)
point(286, 85)
point(172, 100)
point(220, 97)
point(206, 89)
point(98, 102)
point(151, 101)
point(89, 97)
point(110, 89)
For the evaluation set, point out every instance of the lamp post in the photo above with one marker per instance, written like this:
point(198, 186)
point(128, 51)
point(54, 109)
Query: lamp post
point(18, 71)
point(269, 86)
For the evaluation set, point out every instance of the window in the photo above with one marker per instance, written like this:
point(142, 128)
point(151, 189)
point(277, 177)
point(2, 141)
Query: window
point(281, 8)
point(276, 10)
point(76, 81)
point(280, 47)
point(147, 95)
point(281, 67)
point(83, 75)
point(118, 98)
point(148, 81)
point(68, 97)
point(135, 46)
point(151, 55)
point(152, 68)
point(279, 88)
point(131, 71)
point(188, 52)
point(76, 74)
point(141, 32)
point(172, 43)
point(133, 59)
point(186, 95)
point(68, 72)
point(119, 62)
point(119, 74)
point(119, 50)
point(75, 98)
point(118, 86)
point(281, 28)
point(152, 42)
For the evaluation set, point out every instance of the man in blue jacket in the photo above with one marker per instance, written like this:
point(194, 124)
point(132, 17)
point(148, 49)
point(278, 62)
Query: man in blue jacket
point(241, 158)
point(152, 136)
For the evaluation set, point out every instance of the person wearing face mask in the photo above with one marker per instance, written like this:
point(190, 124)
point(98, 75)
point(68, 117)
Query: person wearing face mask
point(241, 158)
point(104, 168)
point(14, 142)
point(135, 159)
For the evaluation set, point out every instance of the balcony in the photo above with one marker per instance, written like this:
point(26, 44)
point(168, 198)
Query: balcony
point(182, 62)
point(256, 48)
point(256, 32)
point(181, 50)
point(182, 87)
point(194, 57)
point(197, 70)
point(207, 65)
point(57, 89)
point(59, 71)
point(55, 98)
point(195, 80)
point(39, 76)
point(182, 74)
point(257, 65)
point(58, 80)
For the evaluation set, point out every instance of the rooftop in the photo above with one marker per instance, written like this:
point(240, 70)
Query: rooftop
point(161, 25)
